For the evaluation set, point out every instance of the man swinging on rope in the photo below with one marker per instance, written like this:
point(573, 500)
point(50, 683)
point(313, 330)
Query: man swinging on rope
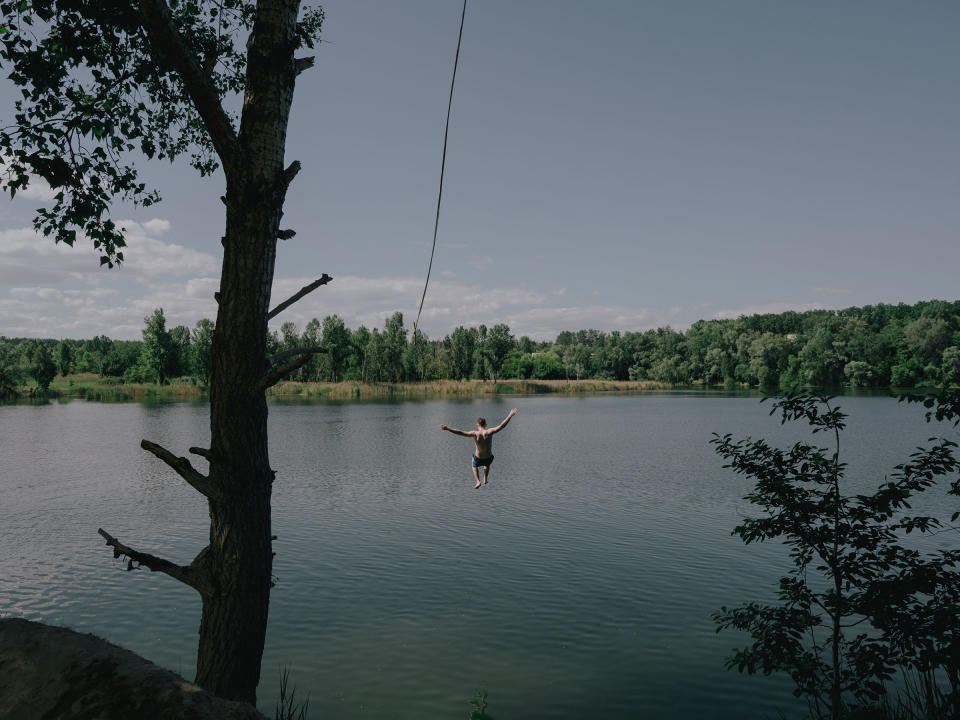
point(484, 440)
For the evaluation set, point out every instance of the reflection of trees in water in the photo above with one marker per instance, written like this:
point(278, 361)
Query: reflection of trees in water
point(479, 707)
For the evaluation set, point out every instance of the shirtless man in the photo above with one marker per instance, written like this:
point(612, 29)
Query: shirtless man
point(484, 440)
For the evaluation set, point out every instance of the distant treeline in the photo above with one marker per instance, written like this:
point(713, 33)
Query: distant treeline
point(877, 345)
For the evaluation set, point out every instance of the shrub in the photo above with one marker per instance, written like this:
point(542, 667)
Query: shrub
point(857, 606)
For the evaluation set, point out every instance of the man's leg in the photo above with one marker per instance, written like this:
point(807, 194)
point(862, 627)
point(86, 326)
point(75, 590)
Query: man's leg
point(476, 476)
point(486, 473)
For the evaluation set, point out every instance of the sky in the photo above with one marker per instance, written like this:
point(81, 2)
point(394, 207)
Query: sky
point(616, 165)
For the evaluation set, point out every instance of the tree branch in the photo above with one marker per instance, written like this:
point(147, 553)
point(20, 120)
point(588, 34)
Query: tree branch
point(198, 83)
point(290, 173)
point(195, 574)
point(301, 64)
point(286, 234)
point(202, 452)
point(313, 349)
point(279, 373)
point(306, 290)
point(199, 482)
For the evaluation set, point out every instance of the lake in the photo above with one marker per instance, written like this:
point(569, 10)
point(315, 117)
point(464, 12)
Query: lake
point(579, 583)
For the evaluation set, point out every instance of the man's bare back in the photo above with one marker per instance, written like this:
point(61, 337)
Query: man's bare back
point(483, 439)
point(484, 442)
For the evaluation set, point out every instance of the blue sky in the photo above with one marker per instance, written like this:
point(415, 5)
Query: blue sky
point(613, 165)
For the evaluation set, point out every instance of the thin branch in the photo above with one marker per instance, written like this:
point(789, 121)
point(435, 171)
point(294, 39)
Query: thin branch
point(306, 290)
point(202, 452)
point(279, 373)
point(854, 624)
point(198, 481)
point(194, 574)
point(273, 359)
point(286, 234)
point(290, 173)
point(158, 23)
point(301, 64)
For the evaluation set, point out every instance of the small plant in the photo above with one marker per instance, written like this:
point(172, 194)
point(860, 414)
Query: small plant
point(478, 706)
point(857, 606)
point(287, 706)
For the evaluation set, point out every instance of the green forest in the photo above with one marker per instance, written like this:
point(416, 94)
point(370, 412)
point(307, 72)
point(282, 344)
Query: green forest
point(873, 346)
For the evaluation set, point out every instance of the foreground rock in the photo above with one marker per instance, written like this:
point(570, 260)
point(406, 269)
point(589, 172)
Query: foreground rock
point(48, 673)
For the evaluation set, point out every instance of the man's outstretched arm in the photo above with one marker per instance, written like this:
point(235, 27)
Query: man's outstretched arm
point(456, 432)
point(502, 425)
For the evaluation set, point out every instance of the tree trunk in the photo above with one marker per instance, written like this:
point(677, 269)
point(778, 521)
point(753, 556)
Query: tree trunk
point(240, 558)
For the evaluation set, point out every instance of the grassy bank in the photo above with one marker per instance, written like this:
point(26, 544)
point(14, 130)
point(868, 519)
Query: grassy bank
point(455, 388)
point(93, 387)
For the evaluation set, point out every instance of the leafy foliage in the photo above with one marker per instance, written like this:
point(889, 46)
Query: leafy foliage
point(201, 342)
point(63, 356)
point(157, 350)
point(41, 366)
point(96, 94)
point(858, 604)
point(747, 350)
point(9, 371)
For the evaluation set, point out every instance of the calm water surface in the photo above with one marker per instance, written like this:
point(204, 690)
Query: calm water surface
point(579, 583)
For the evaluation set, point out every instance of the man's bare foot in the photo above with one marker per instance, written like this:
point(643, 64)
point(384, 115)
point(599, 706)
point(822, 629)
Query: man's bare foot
point(475, 487)
point(484, 482)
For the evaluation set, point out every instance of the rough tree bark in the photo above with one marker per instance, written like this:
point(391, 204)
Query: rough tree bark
point(232, 574)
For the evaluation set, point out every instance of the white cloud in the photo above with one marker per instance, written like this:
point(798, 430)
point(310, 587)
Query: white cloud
point(202, 287)
point(37, 190)
point(37, 294)
point(49, 289)
point(84, 313)
point(148, 256)
point(539, 314)
point(27, 257)
point(156, 226)
point(369, 301)
point(54, 291)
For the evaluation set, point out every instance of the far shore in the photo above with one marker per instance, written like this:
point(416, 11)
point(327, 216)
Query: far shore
point(457, 388)
point(92, 387)
point(107, 389)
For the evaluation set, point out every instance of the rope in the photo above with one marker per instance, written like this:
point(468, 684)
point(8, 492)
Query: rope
point(443, 165)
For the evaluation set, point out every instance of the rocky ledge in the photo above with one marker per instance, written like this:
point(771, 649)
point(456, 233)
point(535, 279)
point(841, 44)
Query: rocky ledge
point(52, 673)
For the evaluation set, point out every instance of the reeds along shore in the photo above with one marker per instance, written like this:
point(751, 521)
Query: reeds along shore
point(92, 387)
point(457, 388)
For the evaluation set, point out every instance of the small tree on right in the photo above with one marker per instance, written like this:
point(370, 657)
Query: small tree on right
point(858, 606)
